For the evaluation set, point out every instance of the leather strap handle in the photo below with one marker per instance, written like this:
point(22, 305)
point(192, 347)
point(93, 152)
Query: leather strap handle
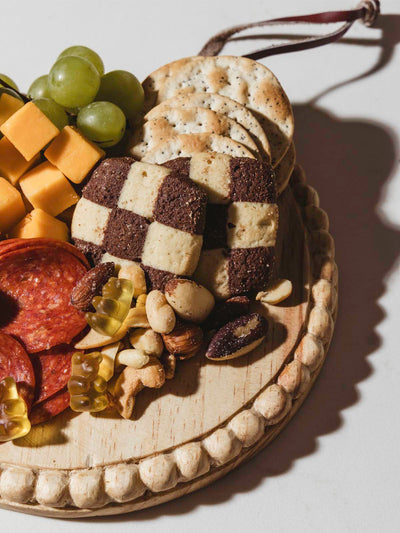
point(367, 12)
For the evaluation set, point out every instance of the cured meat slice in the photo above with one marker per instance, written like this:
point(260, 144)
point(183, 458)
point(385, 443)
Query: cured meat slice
point(15, 363)
point(10, 245)
point(44, 411)
point(52, 371)
point(35, 289)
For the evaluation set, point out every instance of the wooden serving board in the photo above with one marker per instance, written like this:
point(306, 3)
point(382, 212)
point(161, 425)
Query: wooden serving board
point(204, 422)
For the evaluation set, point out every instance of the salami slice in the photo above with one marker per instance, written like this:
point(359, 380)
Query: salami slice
point(15, 363)
point(35, 290)
point(17, 244)
point(44, 411)
point(52, 371)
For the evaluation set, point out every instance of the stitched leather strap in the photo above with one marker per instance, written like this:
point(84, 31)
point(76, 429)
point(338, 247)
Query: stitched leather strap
point(367, 12)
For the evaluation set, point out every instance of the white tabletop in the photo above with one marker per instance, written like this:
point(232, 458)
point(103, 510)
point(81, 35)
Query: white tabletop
point(335, 468)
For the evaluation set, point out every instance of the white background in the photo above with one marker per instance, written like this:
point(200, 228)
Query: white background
point(336, 467)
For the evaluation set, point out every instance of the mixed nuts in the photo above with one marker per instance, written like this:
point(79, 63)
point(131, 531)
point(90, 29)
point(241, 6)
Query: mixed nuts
point(163, 327)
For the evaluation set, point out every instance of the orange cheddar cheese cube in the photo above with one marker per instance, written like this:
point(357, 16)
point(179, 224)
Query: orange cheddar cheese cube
point(12, 164)
point(29, 130)
point(12, 207)
point(8, 106)
point(47, 188)
point(39, 224)
point(73, 154)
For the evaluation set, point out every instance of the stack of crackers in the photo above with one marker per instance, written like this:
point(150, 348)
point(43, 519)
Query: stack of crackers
point(231, 105)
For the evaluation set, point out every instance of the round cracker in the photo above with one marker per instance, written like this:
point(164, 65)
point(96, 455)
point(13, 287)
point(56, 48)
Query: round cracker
point(242, 79)
point(192, 143)
point(284, 169)
point(224, 106)
point(176, 121)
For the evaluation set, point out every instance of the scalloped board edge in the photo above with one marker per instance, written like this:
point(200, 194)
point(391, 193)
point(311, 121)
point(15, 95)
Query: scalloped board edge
point(125, 487)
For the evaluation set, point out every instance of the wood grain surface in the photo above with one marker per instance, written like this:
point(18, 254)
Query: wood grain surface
point(218, 408)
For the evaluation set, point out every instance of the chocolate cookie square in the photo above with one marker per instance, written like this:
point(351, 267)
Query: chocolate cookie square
point(126, 234)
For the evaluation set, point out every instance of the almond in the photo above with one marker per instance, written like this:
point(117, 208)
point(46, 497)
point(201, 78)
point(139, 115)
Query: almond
point(184, 341)
point(90, 285)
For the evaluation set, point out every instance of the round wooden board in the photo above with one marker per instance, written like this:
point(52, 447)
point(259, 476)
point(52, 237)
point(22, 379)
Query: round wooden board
point(207, 420)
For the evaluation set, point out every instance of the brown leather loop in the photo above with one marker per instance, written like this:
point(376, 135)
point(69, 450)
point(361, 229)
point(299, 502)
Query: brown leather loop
point(367, 11)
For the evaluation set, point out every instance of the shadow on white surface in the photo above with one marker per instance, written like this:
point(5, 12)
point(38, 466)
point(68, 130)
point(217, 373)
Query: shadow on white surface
point(350, 163)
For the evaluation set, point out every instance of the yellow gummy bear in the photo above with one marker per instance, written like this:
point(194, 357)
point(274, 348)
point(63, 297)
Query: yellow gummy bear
point(112, 307)
point(88, 390)
point(14, 422)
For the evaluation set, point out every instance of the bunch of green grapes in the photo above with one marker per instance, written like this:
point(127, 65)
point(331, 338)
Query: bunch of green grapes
point(77, 91)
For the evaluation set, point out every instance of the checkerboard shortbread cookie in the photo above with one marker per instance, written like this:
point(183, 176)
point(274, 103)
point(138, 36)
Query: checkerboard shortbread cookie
point(138, 212)
point(241, 222)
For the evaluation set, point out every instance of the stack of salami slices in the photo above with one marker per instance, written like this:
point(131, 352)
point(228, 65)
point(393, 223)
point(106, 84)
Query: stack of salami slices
point(38, 322)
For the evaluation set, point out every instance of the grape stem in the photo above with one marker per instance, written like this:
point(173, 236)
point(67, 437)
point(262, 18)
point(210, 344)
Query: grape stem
point(24, 98)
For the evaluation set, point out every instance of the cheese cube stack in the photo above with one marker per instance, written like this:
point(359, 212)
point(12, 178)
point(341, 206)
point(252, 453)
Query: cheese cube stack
point(47, 188)
point(39, 224)
point(41, 190)
point(73, 154)
point(12, 207)
point(29, 130)
point(8, 106)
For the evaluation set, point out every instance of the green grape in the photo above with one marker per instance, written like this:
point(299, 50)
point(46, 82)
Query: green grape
point(39, 88)
point(9, 81)
point(73, 82)
point(124, 90)
point(102, 122)
point(86, 53)
point(6, 90)
point(53, 111)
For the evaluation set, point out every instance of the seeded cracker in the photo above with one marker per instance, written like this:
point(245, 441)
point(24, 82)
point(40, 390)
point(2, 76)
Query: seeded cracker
point(223, 106)
point(193, 143)
point(173, 121)
point(284, 169)
point(244, 80)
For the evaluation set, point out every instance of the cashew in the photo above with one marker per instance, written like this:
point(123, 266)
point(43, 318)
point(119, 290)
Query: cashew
point(133, 358)
point(138, 318)
point(135, 274)
point(131, 381)
point(109, 353)
point(141, 301)
point(147, 341)
point(94, 339)
point(160, 314)
point(276, 293)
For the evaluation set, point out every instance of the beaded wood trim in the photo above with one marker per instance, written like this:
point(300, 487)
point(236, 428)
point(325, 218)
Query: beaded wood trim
point(82, 491)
